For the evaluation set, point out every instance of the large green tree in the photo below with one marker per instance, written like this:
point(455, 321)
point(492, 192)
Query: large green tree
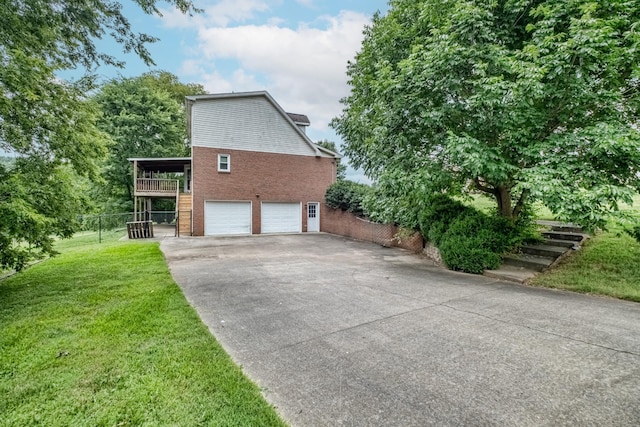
point(145, 117)
point(520, 99)
point(47, 123)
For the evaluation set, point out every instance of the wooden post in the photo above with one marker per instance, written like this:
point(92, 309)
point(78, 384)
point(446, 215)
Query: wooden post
point(135, 187)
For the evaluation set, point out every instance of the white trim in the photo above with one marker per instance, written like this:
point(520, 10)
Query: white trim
point(188, 179)
point(228, 156)
point(317, 204)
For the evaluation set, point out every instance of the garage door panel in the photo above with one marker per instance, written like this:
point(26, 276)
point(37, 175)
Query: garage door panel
point(281, 217)
point(226, 218)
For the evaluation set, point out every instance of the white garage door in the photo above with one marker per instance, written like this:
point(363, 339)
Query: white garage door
point(223, 218)
point(281, 218)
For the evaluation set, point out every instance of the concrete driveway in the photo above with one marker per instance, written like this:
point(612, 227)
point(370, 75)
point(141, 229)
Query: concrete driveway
point(339, 332)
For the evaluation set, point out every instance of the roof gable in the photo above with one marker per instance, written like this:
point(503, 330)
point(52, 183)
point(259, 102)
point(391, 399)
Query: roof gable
point(251, 121)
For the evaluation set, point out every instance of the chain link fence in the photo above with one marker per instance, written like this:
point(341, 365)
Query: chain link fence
point(115, 224)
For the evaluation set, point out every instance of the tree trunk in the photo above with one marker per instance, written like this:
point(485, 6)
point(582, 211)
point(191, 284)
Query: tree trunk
point(503, 197)
point(502, 193)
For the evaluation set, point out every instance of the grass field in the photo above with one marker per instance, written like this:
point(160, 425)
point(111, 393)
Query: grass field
point(609, 264)
point(101, 336)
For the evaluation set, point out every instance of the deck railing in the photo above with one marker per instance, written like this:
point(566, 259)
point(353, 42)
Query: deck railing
point(154, 185)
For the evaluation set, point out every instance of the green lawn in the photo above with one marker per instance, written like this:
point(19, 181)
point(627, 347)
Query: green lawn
point(609, 264)
point(488, 205)
point(101, 336)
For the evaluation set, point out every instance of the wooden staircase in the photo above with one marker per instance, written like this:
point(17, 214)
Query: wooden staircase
point(183, 220)
point(559, 241)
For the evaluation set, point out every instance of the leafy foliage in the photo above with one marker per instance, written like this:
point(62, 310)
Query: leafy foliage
point(39, 199)
point(399, 197)
point(436, 219)
point(523, 100)
point(634, 232)
point(144, 116)
point(48, 122)
point(468, 239)
point(348, 196)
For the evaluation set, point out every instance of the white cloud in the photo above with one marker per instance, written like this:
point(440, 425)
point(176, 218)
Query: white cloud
point(222, 13)
point(190, 67)
point(303, 68)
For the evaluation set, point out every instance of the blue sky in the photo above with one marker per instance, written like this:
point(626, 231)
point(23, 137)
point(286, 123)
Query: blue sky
point(295, 49)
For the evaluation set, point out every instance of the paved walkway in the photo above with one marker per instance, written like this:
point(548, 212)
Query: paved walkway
point(339, 332)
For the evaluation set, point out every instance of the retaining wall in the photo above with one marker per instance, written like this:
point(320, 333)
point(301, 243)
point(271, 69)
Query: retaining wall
point(343, 223)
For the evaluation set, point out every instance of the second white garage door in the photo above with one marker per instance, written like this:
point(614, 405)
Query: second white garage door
point(281, 218)
point(224, 218)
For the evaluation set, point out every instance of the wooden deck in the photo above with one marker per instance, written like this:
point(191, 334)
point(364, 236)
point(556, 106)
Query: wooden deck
point(156, 187)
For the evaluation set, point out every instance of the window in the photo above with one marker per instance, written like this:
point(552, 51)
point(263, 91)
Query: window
point(224, 163)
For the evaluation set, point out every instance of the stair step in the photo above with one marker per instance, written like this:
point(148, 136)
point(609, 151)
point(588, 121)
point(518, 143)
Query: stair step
point(563, 243)
point(564, 235)
point(544, 250)
point(561, 226)
point(531, 262)
point(511, 273)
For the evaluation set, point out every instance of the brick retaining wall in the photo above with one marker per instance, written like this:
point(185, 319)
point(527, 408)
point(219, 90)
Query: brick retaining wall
point(343, 223)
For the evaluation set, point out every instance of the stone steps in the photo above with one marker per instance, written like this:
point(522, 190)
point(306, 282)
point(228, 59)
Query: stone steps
point(562, 243)
point(544, 250)
point(560, 226)
point(564, 235)
point(511, 273)
point(560, 240)
point(529, 262)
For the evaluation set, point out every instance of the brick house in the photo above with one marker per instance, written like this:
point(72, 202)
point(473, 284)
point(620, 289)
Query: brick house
point(252, 169)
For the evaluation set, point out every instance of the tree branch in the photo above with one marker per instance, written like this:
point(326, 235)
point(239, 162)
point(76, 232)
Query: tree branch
point(483, 187)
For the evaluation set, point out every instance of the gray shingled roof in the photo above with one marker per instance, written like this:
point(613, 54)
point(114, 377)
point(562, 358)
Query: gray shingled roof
point(299, 119)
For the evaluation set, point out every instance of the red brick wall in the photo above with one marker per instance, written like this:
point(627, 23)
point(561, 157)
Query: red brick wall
point(258, 177)
point(344, 223)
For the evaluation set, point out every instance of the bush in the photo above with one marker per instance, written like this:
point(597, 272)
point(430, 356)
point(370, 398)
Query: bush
point(468, 239)
point(460, 253)
point(348, 196)
point(441, 211)
point(474, 242)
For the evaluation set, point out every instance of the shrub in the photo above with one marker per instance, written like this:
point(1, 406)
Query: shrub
point(475, 241)
point(460, 253)
point(437, 217)
point(348, 196)
point(468, 239)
